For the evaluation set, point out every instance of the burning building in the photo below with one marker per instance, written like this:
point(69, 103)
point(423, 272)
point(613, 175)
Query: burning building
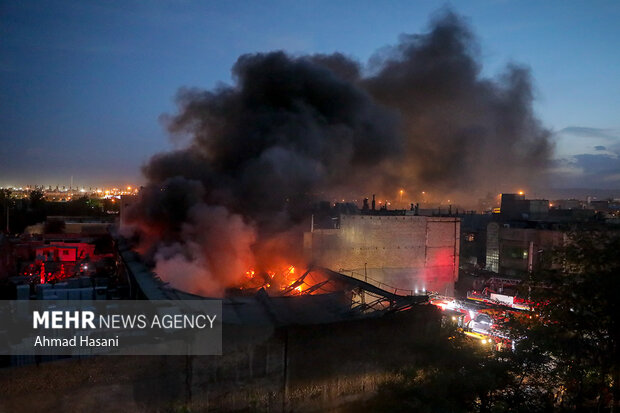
point(227, 208)
point(252, 157)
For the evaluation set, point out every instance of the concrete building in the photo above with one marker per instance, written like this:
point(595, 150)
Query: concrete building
point(473, 240)
point(403, 251)
point(567, 204)
point(517, 251)
point(126, 202)
point(515, 206)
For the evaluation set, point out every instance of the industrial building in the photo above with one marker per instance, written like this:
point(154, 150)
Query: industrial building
point(515, 251)
point(515, 206)
point(522, 237)
point(408, 252)
point(308, 349)
point(76, 261)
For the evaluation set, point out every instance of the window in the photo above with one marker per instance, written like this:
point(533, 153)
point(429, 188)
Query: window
point(483, 318)
point(515, 253)
point(492, 260)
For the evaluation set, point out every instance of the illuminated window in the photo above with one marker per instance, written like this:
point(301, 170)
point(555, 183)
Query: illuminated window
point(493, 260)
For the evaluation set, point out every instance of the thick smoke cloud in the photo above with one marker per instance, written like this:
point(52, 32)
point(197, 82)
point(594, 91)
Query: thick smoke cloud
point(288, 128)
point(294, 129)
point(463, 133)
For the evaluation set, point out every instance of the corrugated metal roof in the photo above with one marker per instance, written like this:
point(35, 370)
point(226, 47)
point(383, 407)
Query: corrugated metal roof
point(259, 309)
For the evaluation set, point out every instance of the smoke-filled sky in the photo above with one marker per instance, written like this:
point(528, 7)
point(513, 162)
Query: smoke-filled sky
point(253, 156)
point(84, 84)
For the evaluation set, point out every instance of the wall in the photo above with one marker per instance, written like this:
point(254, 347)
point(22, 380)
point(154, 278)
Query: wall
point(408, 252)
point(301, 368)
point(126, 202)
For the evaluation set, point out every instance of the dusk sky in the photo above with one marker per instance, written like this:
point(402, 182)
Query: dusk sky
point(84, 83)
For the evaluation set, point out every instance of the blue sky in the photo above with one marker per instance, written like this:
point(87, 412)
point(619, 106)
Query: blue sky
point(83, 83)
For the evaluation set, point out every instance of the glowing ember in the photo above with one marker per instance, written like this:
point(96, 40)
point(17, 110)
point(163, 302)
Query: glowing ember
point(283, 280)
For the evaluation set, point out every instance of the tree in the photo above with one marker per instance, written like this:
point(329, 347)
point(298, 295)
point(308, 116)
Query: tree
point(5, 201)
point(566, 356)
point(575, 326)
point(458, 374)
point(36, 199)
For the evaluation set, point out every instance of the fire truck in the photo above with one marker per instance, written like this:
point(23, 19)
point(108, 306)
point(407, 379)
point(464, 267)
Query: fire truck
point(500, 291)
point(478, 316)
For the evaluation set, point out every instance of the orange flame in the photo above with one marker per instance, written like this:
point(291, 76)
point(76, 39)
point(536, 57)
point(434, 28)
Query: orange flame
point(281, 279)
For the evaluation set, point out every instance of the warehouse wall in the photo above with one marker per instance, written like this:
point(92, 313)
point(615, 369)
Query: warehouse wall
point(408, 252)
point(309, 368)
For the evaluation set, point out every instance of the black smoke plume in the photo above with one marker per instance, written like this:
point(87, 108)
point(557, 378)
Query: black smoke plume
point(463, 133)
point(292, 129)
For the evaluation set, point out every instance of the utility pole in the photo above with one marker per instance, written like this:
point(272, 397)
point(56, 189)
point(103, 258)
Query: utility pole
point(365, 280)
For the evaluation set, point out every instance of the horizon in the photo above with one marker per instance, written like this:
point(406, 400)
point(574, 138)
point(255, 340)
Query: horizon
point(87, 97)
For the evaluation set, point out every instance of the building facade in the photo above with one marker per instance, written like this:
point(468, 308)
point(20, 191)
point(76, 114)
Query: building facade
point(518, 251)
point(402, 251)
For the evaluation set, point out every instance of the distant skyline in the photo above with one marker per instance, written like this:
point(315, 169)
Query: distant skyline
point(83, 84)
